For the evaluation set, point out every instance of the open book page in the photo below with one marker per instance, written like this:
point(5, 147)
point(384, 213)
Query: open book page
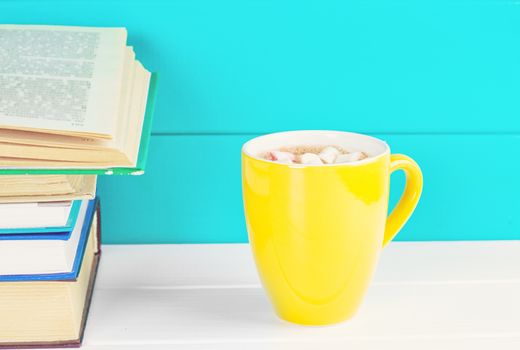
point(122, 150)
point(61, 79)
point(27, 163)
point(137, 112)
point(63, 141)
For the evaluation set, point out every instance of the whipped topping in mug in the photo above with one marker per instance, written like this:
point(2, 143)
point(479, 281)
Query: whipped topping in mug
point(314, 155)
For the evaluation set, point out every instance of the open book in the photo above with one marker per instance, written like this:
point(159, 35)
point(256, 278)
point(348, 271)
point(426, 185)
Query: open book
point(71, 98)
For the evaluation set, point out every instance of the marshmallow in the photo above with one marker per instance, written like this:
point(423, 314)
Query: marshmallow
point(282, 157)
point(310, 158)
point(350, 157)
point(328, 154)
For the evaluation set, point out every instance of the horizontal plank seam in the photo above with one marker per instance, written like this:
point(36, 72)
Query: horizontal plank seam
point(437, 245)
point(183, 287)
point(258, 286)
point(422, 133)
point(311, 339)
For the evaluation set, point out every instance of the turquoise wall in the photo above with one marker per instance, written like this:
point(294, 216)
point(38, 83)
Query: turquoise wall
point(439, 80)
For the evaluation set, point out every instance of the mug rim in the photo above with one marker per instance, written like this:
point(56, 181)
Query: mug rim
point(345, 133)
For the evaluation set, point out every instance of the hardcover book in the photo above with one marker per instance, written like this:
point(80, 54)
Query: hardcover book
point(46, 188)
point(21, 219)
point(38, 258)
point(51, 313)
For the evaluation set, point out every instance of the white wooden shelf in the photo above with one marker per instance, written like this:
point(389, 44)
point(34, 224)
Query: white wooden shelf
point(425, 295)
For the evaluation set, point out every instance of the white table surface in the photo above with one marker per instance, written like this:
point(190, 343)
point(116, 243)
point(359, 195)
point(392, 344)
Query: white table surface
point(425, 295)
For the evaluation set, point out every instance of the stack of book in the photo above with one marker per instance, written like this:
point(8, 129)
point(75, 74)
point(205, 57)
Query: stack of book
point(74, 104)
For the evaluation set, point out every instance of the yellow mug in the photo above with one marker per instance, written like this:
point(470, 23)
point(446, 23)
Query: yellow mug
point(316, 231)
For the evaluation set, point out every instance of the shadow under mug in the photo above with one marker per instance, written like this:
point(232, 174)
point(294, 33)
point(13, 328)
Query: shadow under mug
point(316, 231)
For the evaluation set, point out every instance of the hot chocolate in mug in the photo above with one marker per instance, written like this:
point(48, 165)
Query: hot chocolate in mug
point(316, 231)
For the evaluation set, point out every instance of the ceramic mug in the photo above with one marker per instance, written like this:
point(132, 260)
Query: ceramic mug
point(316, 231)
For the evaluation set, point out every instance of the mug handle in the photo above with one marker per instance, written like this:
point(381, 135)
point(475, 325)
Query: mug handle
point(412, 192)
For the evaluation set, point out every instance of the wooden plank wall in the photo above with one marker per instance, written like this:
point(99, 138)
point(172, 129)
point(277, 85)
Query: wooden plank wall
point(439, 80)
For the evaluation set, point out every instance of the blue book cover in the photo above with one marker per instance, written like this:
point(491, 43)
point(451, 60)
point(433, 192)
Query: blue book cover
point(72, 275)
point(61, 232)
